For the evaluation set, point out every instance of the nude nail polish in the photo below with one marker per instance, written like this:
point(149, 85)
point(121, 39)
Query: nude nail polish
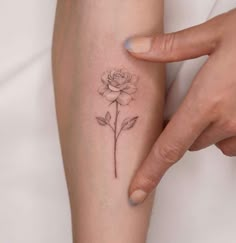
point(137, 197)
point(138, 44)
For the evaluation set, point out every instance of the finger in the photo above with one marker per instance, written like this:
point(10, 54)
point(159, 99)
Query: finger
point(211, 135)
point(186, 44)
point(179, 134)
point(228, 146)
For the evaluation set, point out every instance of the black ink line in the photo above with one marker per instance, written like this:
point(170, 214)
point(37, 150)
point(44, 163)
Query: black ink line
point(112, 128)
point(115, 139)
point(112, 80)
point(119, 134)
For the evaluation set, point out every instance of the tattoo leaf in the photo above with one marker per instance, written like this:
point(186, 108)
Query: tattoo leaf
point(128, 123)
point(108, 117)
point(101, 121)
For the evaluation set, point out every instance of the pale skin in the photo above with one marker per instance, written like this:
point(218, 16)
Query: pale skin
point(88, 41)
point(207, 116)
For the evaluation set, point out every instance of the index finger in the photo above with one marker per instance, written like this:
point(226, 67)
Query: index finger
point(179, 134)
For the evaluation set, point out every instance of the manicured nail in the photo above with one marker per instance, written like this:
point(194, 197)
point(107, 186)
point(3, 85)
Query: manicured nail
point(137, 197)
point(138, 44)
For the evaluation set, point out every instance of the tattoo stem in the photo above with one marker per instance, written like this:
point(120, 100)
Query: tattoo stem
point(119, 134)
point(111, 127)
point(115, 139)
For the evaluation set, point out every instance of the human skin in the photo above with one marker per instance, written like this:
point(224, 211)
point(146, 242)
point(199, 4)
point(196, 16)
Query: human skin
point(88, 41)
point(207, 115)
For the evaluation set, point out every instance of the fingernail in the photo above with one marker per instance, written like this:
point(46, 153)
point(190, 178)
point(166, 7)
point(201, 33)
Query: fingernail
point(138, 44)
point(137, 197)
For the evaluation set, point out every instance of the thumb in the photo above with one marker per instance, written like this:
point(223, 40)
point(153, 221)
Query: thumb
point(185, 44)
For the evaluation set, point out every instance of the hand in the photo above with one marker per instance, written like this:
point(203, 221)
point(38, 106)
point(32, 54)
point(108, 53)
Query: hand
point(208, 113)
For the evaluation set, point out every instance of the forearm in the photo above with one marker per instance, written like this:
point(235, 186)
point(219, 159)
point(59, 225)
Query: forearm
point(101, 156)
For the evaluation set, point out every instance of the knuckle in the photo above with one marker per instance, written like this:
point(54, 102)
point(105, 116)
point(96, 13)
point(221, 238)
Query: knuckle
point(167, 42)
point(213, 109)
point(169, 154)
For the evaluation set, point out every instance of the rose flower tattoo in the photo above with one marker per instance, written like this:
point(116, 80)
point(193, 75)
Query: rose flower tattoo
point(118, 87)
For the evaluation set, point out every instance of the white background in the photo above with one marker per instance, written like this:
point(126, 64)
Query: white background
point(195, 202)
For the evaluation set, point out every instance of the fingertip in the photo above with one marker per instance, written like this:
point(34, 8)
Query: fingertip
point(137, 197)
point(136, 193)
point(146, 179)
point(138, 45)
point(139, 189)
point(127, 45)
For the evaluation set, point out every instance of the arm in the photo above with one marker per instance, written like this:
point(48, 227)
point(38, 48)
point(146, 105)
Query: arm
point(97, 86)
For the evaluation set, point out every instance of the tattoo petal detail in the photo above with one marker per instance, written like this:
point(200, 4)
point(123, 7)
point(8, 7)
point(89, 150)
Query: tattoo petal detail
point(118, 87)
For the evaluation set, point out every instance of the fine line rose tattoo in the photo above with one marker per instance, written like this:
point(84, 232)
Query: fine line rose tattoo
point(118, 87)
